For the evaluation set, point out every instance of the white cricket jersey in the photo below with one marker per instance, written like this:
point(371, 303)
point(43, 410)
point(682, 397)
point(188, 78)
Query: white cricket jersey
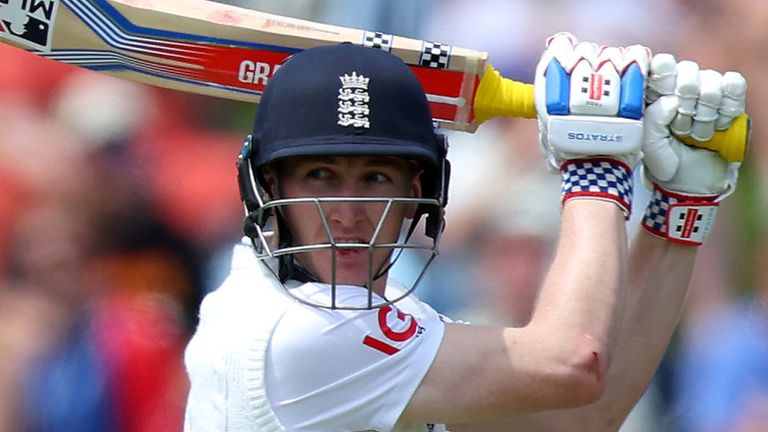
point(262, 361)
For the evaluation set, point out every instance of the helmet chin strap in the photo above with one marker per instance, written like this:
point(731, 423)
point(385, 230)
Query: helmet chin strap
point(294, 270)
point(288, 268)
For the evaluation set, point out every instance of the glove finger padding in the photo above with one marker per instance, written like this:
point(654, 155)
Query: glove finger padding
point(734, 87)
point(662, 77)
point(590, 100)
point(710, 97)
point(687, 91)
point(708, 100)
point(687, 182)
point(674, 165)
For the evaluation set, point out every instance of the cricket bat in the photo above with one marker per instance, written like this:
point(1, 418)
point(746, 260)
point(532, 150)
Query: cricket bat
point(224, 51)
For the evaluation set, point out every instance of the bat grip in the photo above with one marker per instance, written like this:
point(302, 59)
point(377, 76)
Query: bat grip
point(731, 143)
point(502, 97)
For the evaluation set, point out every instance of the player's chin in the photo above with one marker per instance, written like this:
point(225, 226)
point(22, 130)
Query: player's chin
point(352, 267)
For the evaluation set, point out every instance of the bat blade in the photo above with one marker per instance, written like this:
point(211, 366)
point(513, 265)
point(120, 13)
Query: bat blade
point(223, 51)
point(208, 48)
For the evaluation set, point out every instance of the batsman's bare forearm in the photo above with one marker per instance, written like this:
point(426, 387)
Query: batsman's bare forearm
point(659, 276)
point(584, 289)
point(560, 359)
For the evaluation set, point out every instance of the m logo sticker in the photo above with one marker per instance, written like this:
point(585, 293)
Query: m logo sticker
point(28, 23)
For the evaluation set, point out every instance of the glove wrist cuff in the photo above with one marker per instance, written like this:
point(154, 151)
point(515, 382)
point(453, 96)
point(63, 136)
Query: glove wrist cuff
point(598, 178)
point(680, 218)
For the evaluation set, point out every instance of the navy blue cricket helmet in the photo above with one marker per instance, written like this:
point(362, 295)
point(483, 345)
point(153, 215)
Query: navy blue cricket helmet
point(344, 100)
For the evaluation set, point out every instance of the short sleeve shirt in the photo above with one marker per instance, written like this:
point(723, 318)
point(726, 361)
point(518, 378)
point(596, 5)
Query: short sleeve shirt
point(262, 361)
point(346, 370)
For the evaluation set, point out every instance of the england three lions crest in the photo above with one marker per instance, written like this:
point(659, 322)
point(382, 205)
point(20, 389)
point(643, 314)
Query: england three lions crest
point(28, 23)
point(353, 101)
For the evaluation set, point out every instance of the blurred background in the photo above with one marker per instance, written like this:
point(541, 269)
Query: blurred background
point(119, 207)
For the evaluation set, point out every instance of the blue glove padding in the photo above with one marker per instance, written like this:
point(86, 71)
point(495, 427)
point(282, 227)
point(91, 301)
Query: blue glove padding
point(590, 100)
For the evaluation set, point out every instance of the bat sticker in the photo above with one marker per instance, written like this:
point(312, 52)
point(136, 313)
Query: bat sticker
point(435, 55)
point(378, 40)
point(28, 22)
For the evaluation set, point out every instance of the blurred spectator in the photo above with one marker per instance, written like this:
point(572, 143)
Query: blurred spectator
point(521, 202)
point(508, 273)
point(110, 355)
point(506, 227)
point(40, 299)
point(104, 256)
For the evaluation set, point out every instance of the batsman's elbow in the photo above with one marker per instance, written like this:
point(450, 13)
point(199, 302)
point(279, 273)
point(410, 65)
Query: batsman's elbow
point(576, 373)
point(588, 366)
point(587, 380)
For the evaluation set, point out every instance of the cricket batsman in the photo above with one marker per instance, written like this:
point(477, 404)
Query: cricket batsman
point(343, 167)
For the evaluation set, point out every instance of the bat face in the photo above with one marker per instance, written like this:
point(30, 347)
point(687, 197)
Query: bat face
point(218, 50)
point(96, 35)
point(208, 48)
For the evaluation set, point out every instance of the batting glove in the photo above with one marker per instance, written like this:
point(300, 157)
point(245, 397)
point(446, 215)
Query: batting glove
point(590, 102)
point(687, 182)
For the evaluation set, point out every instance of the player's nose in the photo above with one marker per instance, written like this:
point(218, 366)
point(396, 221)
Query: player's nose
point(346, 212)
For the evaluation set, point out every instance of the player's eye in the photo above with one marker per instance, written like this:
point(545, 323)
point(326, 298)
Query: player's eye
point(377, 177)
point(319, 174)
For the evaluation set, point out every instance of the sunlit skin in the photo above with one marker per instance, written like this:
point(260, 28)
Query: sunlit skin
point(349, 222)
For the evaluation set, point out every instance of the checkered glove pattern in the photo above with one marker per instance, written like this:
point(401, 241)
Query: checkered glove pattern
point(679, 218)
point(599, 178)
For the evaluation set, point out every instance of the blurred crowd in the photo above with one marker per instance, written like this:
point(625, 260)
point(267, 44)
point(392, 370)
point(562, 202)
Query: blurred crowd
point(119, 207)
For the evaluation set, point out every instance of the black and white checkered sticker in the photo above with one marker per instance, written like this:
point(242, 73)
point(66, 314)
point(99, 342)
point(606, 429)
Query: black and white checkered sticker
point(378, 40)
point(435, 55)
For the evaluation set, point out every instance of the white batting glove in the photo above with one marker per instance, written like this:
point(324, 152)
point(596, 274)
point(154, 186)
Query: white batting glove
point(687, 182)
point(590, 102)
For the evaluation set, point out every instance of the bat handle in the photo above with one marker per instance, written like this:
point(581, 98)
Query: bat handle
point(731, 143)
point(502, 97)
